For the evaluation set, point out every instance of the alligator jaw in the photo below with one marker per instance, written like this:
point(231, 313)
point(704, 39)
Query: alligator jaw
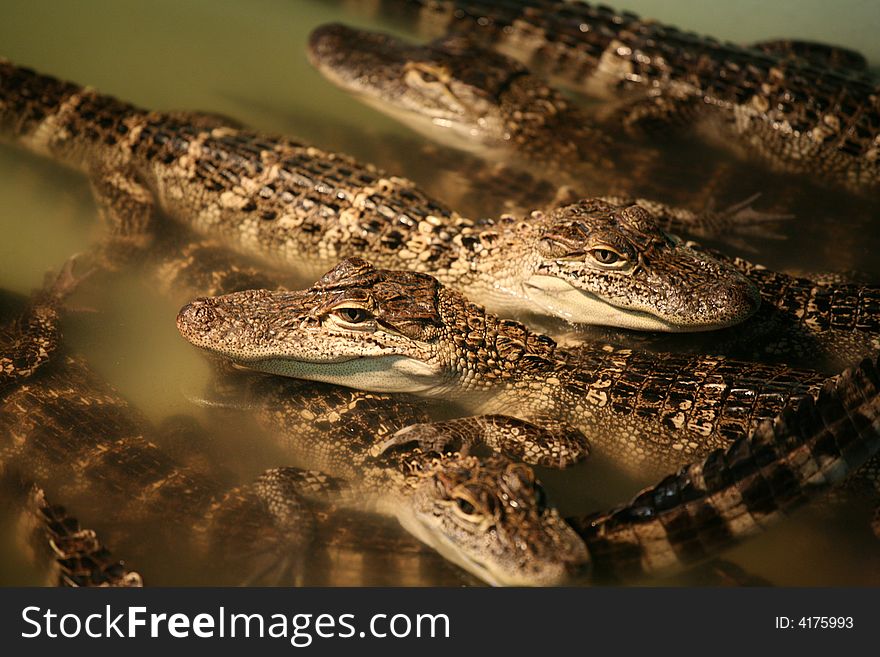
point(376, 374)
point(557, 297)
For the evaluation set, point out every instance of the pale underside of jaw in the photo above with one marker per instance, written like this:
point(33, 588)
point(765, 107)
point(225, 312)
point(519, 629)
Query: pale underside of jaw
point(557, 297)
point(409, 520)
point(370, 373)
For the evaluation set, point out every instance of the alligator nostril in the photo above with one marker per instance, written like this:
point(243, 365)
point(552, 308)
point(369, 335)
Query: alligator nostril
point(745, 297)
point(328, 39)
point(195, 316)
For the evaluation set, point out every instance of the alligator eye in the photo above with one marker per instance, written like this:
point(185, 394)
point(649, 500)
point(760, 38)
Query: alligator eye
point(428, 77)
point(465, 506)
point(352, 315)
point(606, 256)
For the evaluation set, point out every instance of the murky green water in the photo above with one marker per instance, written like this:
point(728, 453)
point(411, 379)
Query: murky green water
point(246, 60)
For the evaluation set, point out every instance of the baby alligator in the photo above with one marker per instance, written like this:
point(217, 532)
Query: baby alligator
point(398, 331)
point(455, 91)
point(294, 204)
point(791, 112)
point(489, 510)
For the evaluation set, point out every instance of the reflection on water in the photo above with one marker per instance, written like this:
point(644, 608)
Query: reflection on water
point(247, 60)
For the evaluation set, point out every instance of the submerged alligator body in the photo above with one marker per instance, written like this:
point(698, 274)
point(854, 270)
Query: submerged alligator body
point(152, 492)
point(793, 112)
point(686, 519)
point(77, 436)
point(76, 555)
point(305, 208)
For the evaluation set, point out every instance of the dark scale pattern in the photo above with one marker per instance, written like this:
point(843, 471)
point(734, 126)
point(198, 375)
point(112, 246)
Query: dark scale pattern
point(28, 98)
point(676, 406)
point(733, 494)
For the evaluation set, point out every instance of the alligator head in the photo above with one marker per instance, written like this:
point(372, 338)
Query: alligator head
point(490, 516)
point(441, 85)
point(599, 263)
point(357, 326)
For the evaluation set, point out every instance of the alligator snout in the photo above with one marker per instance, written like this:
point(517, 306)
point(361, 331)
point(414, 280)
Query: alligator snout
point(196, 319)
point(730, 302)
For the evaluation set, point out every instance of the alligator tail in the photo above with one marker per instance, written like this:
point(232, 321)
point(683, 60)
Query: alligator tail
point(57, 118)
point(739, 492)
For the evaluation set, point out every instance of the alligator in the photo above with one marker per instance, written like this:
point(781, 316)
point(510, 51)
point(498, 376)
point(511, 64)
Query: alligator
point(477, 100)
point(794, 113)
point(293, 204)
point(450, 86)
point(357, 439)
point(396, 331)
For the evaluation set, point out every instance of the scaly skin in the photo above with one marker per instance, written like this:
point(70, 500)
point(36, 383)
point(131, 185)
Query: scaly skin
point(71, 434)
point(794, 114)
point(819, 322)
point(386, 330)
point(737, 493)
point(492, 502)
point(686, 519)
point(305, 209)
point(806, 322)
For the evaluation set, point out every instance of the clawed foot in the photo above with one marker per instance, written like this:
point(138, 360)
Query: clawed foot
point(425, 436)
point(741, 220)
point(71, 275)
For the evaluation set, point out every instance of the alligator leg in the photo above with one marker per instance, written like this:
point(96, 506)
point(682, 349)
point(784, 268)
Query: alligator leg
point(731, 225)
point(127, 208)
point(547, 442)
point(30, 342)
